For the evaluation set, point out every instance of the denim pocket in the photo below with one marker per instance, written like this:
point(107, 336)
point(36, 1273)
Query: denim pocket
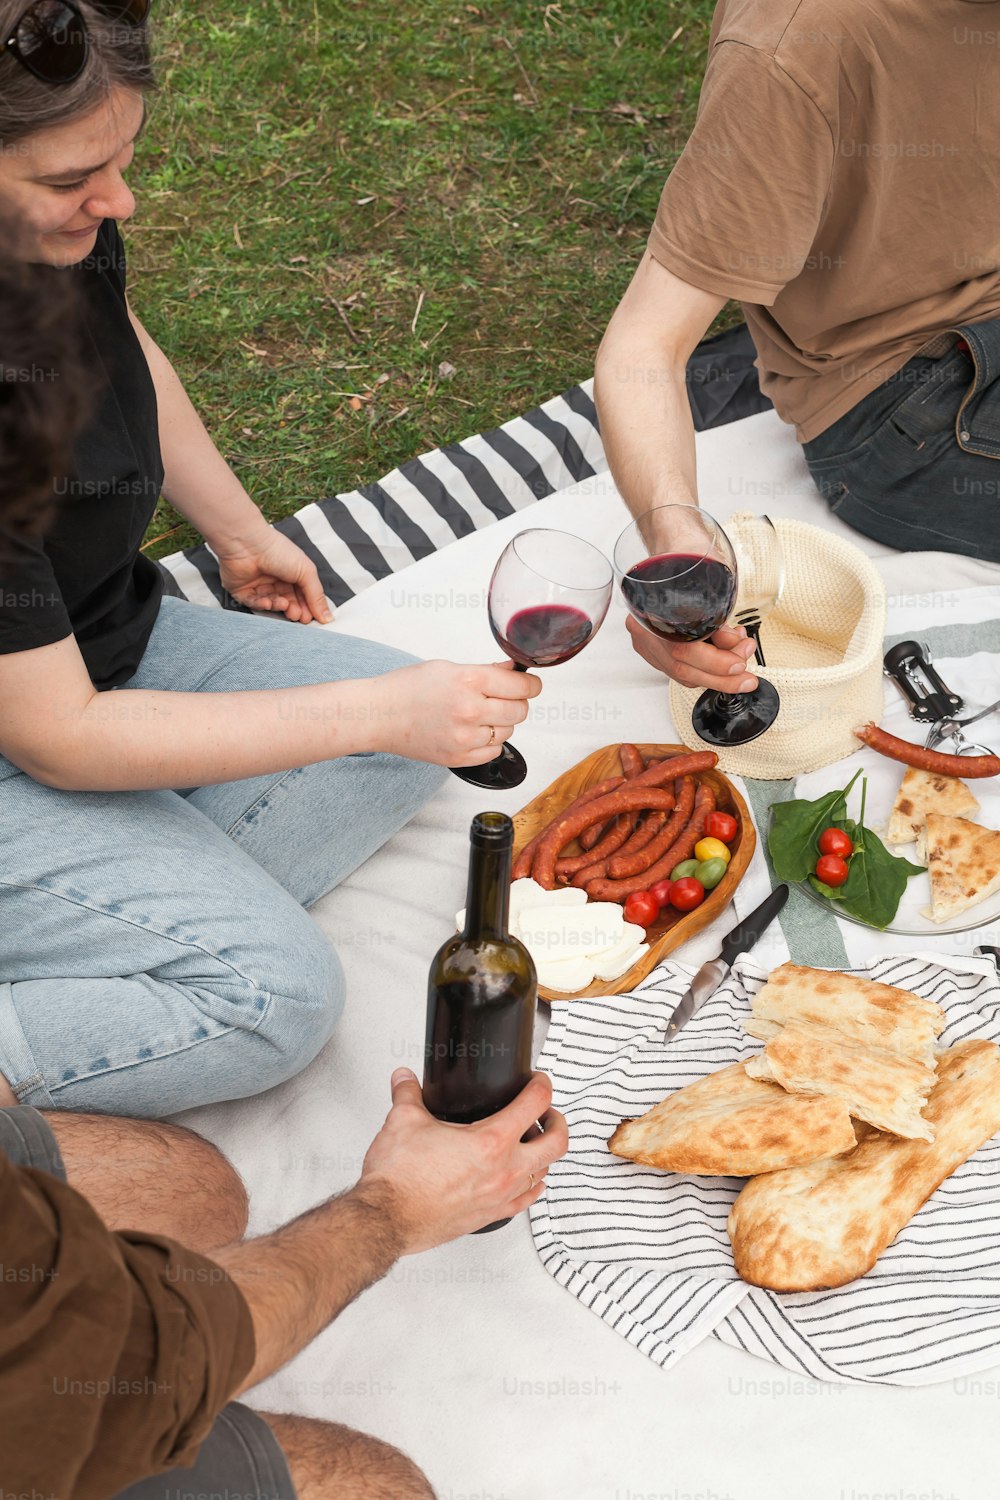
point(927, 416)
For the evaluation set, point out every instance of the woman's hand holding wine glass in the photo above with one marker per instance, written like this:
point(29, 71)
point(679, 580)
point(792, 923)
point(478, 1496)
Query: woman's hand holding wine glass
point(452, 714)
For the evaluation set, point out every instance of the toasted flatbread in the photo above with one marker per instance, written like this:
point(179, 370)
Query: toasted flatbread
point(732, 1126)
point(963, 861)
point(878, 1014)
point(826, 1224)
point(923, 792)
point(885, 1088)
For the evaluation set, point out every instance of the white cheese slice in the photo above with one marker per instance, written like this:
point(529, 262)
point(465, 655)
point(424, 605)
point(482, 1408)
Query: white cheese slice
point(606, 967)
point(529, 893)
point(552, 934)
point(567, 975)
point(633, 936)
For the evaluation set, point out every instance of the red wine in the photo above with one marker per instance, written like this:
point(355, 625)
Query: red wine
point(680, 597)
point(545, 634)
point(481, 994)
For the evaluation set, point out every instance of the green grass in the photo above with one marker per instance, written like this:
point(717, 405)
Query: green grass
point(339, 205)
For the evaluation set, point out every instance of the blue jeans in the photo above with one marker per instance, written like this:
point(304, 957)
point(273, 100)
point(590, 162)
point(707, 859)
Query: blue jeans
point(914, 464)
point(155, 953)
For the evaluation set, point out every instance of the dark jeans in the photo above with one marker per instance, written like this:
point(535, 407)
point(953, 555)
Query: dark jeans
point(914, 465)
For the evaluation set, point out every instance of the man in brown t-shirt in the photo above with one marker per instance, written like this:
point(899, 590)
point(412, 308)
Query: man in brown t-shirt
point(841, 181)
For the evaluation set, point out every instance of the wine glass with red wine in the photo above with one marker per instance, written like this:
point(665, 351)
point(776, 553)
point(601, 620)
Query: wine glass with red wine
point(680, 576)
point(737, 718)
point(548, 597)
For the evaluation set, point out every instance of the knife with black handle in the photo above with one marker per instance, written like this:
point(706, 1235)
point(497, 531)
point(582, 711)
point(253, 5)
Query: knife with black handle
point(711, 975)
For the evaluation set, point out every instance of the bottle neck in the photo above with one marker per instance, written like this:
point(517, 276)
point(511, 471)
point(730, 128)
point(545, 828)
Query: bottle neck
point(488, 899)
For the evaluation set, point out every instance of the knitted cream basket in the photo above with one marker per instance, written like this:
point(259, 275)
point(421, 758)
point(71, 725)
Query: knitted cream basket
point(823, 643)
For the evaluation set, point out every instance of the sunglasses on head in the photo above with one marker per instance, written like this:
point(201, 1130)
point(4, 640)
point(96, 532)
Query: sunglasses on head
point(50, 37)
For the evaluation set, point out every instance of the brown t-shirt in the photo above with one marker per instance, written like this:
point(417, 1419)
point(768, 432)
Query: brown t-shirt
point(843, 182)
point(117, 1351)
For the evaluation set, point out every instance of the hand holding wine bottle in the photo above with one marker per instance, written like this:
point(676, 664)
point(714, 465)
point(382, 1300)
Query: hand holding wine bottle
point(449, 1180)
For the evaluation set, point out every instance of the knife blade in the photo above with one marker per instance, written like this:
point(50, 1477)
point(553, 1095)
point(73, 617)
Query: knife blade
point(711, 974)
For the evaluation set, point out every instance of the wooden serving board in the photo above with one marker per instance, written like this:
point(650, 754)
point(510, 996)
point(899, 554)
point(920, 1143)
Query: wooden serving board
point(671, 928)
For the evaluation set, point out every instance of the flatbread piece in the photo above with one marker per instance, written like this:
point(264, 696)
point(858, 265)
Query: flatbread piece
point(923, 792)
point(963, 861)
point(884, 1088)
point(862, 1011)
point(730, 1125)
point(826, 1224)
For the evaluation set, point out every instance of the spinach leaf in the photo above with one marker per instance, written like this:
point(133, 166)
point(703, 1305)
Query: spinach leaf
point(793, 842)
point(876, 880)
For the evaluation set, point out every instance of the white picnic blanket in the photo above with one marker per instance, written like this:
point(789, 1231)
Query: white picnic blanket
point(470, 1357)
point(648, 1250)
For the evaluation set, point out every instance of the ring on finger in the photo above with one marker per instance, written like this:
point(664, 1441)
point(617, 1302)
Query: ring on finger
point(493, 735)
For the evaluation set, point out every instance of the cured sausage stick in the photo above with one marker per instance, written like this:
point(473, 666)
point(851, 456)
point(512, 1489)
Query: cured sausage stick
point(619, 830)
point(617, 890)
point(966, 766)
point(635, 863)
point(626, 799)
point(632, 766)
point(523, 862)
point(645, 834)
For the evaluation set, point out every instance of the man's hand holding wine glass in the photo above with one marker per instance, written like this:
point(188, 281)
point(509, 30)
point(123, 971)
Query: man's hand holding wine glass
point(720, 662)
point(437, 1181)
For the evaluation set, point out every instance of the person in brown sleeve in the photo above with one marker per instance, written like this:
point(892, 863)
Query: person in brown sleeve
point(841, 182)
point(120, 1352)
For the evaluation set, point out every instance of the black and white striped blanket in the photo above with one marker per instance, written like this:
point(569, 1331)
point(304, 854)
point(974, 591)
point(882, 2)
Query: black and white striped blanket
point(366, 534)
point(356, 538)
point(648, 1250)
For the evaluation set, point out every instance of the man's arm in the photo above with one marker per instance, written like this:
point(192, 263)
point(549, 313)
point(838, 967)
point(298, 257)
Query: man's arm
point(641, 391)
point(641, 394)
point(423, 1183)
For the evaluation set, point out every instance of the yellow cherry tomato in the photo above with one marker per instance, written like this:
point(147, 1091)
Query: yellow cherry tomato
point(712, 849)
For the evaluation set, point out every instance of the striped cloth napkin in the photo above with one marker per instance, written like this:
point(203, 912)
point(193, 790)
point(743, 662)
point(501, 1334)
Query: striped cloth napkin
point(648, 1251)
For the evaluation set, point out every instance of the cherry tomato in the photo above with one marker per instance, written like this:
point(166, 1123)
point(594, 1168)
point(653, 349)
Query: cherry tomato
point(660, 892)
point(687, 893)
point(836, 841)
point(712, 849)
point(720, 825)
point(686, 867)
point(642, 907)
point(831, 869)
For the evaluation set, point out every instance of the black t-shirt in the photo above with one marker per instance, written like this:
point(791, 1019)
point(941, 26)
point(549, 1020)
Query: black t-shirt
point(86, 576)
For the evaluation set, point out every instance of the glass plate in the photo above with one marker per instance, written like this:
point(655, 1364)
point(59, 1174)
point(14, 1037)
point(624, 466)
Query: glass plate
point(883, 783)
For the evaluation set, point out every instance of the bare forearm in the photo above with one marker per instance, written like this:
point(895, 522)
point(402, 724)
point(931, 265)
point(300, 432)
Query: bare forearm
point(197, 480)
point(646, 424)
point(297, 1280)
point(134, 741)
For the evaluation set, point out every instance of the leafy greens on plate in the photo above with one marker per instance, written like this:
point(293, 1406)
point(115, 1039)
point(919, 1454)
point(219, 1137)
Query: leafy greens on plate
point(876, 879)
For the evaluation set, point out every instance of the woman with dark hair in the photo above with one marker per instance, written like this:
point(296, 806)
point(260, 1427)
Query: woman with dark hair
point(176, 784)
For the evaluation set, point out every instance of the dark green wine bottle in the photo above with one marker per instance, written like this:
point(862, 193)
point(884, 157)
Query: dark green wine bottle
point(481, 994)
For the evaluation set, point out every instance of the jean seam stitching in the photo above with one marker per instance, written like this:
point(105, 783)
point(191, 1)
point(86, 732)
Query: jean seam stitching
point(140, 1062)
point(267, 792)
point(17, 885)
